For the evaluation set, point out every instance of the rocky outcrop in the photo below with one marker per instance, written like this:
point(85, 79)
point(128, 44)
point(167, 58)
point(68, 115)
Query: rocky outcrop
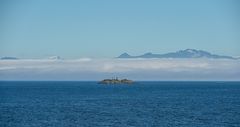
point(116, 81)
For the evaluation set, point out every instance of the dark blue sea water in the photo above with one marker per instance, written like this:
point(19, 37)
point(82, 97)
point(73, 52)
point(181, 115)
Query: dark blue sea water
point(144, 104)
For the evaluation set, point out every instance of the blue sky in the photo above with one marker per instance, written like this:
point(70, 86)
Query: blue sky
point(107, 28)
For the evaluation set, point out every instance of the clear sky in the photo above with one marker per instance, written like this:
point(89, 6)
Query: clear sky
point(107, 28)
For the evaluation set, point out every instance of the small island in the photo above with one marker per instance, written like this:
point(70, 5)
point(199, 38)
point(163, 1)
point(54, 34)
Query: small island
point(116, 81)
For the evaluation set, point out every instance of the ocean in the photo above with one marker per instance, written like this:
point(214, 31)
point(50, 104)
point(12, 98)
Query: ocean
point(143, 104)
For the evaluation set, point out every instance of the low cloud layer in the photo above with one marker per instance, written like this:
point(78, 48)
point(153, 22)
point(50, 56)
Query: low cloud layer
point(136, 69)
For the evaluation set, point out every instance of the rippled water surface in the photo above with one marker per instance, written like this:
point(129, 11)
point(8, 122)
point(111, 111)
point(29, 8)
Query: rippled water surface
point(151, 104)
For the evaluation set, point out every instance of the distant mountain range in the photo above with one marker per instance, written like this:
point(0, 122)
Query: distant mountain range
point(187, 53)
point(9, 58)
point(15, 58)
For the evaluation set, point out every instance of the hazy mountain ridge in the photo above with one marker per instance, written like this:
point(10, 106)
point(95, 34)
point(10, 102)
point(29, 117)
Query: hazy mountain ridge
point(16, 58)
point(187, 53)
point(8, 58)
